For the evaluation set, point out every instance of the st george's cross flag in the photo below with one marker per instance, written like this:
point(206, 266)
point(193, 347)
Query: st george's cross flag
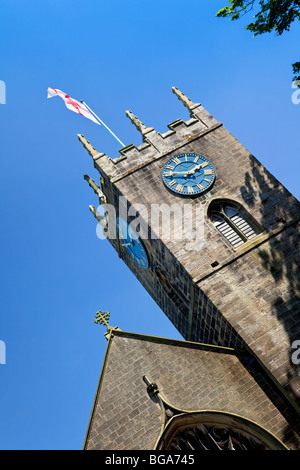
point(72, 104)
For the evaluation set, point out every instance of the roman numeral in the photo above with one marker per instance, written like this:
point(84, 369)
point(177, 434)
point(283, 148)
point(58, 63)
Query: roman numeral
point(208, 172)
point(176, 160)
point(199, 186)
point(204, 164)
point(190, 189)
point(172, 183)
point(168, 173)
point(196, 159)
point(170, 167)
point(179, 188)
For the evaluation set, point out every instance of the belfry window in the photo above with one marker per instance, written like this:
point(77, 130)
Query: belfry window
point(233, 224)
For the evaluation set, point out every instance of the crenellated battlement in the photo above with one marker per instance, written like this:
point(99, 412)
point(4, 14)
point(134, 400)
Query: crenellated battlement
point(155, 145)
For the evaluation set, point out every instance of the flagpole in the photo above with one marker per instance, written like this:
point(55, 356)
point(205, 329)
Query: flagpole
point(97, 117)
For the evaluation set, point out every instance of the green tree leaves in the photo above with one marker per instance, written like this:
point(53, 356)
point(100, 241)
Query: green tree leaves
point(270, 15)
point(296, 70)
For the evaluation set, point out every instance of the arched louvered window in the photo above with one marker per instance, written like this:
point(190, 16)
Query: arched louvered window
point(233, 225)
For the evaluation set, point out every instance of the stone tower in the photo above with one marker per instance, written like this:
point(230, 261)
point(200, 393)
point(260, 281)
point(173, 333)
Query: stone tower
point(236, 286)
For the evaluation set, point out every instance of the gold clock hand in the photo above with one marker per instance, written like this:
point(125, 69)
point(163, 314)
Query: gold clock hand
point(197, 167)
point(189, 172)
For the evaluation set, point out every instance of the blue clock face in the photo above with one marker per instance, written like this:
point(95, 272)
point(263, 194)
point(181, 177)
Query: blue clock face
point(188, 174)
point(130, 240)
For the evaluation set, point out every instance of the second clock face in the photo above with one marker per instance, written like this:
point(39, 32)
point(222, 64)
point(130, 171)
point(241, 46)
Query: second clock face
point(188, 174)
point(132, 243)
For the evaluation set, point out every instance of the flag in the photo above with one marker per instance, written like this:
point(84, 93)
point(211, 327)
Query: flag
point(72, 104)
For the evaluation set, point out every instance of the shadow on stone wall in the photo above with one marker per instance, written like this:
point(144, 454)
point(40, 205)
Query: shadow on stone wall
point(281, 258)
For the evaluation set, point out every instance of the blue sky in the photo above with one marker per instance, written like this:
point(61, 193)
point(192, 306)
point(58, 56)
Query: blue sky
point(55, 272)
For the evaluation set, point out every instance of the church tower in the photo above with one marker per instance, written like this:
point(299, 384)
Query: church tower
point(211, 235)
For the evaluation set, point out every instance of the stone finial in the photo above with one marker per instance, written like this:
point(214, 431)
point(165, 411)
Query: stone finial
point(92, 151)
point(96, 188)
point(102, 318)
point(138, 124)
point(184, 99)
point(102, 221)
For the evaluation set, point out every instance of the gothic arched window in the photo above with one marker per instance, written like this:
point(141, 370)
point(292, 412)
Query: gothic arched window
point(233, 223)
point(215, 430)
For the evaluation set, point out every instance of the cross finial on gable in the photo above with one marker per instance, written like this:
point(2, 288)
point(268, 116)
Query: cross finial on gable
point(102, 318)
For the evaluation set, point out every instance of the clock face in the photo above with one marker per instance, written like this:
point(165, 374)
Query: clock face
point(188, 174)
point(130, 240)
